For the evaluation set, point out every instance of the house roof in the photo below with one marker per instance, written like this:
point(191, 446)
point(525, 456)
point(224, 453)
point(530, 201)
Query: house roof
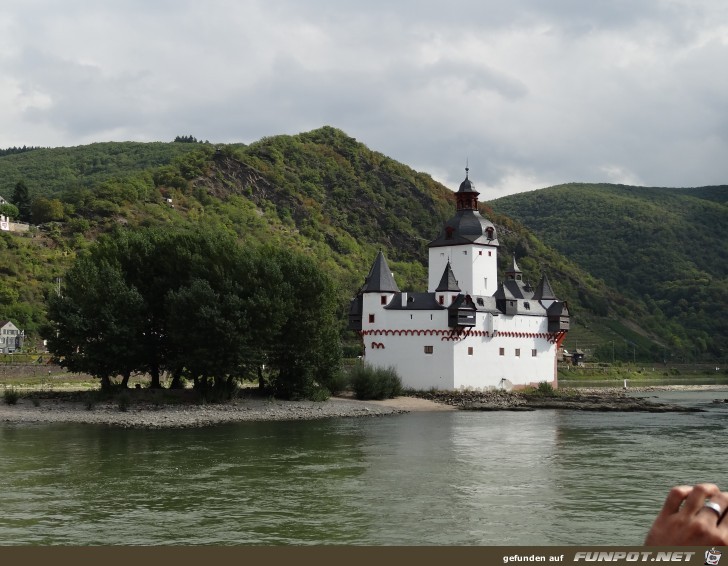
point(448, 281)
point(380, 278)
point(414, 301)
point(543, 291)
point(467, 226)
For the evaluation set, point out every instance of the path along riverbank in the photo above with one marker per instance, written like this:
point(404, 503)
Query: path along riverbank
point(139, 409)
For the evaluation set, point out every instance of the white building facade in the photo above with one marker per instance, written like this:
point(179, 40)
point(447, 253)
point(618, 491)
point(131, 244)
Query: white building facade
point(468, 331)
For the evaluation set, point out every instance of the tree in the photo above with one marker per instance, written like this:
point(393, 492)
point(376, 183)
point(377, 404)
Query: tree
point(9, 210)
point(195, 303)
point(44, 210)
point(306, 350)
point(21, 199)
point(95, 324)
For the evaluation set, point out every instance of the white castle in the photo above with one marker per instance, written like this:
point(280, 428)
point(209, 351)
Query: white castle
point(467, 331)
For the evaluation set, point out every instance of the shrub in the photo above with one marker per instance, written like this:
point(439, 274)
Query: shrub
point(545, 388)
point(11, 397)
point(337, 382)
point(375, 383)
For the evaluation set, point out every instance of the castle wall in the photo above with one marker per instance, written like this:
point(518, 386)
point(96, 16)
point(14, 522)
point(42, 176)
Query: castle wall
point(475, 267)
point(499, 352)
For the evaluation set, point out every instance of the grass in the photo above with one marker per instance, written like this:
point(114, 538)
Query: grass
point(614, 375)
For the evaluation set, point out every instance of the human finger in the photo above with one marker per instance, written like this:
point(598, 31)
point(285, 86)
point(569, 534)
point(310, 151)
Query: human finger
point(716, 508)
point(695, 500)
point(675, 498)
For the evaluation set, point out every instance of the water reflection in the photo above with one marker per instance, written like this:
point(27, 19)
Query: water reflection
point(533, 478)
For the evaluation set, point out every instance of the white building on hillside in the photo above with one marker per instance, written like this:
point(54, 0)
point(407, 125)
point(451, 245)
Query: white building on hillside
point(467, 331)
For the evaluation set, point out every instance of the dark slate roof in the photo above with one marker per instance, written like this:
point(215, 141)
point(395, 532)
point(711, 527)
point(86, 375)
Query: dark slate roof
point(514, 267)
point(558, 309)
point(466, 227)
point(380, 278)
point(414, 301)
point(543, 291)
point(512, 289)
point(467, 185)
point(448, 281)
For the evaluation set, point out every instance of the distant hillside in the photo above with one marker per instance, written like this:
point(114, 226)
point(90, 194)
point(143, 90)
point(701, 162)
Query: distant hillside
point(321, 192)
point(49, 171)
point(665, 248)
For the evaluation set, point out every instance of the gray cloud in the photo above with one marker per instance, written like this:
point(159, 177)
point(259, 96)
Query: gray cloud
point(532, 93)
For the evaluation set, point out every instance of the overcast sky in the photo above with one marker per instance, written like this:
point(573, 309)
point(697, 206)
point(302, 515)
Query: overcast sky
point(531, 92)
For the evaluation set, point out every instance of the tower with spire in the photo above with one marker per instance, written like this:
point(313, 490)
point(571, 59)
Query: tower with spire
point(468, 331)
point(468, 242)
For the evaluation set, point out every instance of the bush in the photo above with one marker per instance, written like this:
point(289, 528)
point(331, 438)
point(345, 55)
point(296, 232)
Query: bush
point(375, 383)
point(11, 397)
point(337, 382)
point(545, 388)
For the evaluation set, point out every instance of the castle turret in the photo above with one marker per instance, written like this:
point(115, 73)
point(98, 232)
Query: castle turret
point(469, 244)
point(378, 289)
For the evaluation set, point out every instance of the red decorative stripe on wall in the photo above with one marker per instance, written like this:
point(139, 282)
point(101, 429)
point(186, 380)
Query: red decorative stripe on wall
point(455, 335)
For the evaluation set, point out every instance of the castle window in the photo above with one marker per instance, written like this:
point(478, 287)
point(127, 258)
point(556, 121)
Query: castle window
point(465, 252)
point(480, 302)
point(518, 352)
point(480, 252)
point(384, 299)
point(502, 351)
point(470, 350)
point(453, 298)
point(371, 318)
point(490, 254)
point(527, 306)
point(429, 349)
point(533, 353)
point(441, 298)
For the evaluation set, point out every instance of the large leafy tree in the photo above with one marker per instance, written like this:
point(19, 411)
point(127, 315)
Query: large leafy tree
point(306, 350)
point(195, 303)
point(96, 322)
point(21, 199)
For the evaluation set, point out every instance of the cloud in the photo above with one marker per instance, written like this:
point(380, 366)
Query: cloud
point(531, 93)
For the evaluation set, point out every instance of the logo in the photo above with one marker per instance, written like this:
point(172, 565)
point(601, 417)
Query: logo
point(712, 557)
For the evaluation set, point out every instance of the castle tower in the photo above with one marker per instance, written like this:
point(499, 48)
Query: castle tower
point(468, 244)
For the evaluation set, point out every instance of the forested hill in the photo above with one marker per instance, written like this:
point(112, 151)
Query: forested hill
point(321, 192)
point(664, 247)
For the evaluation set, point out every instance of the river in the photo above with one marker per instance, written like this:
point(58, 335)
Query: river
point(546, 477)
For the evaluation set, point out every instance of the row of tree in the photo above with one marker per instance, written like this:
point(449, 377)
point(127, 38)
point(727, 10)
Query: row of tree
point(196, 304)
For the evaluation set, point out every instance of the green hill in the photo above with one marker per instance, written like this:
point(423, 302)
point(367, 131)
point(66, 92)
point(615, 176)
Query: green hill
point(321, 192)
point(49, 172)
point(664, 248)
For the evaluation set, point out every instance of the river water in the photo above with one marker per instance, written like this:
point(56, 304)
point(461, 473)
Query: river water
point(546, 477)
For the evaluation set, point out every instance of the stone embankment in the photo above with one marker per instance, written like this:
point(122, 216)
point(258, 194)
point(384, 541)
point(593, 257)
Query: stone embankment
point(580, 400)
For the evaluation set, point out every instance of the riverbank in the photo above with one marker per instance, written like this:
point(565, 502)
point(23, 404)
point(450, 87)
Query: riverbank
point(121, 411)
point(144, 408)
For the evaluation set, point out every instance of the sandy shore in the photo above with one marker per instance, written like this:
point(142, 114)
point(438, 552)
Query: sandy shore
point(147, 415)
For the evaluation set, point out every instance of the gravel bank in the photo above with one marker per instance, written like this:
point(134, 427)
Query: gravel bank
point(53, 410)
point(67, 407)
